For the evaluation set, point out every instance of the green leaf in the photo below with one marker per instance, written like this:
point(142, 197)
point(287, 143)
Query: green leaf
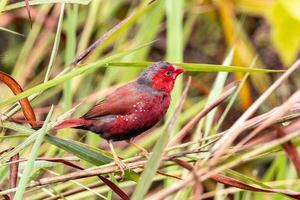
point(153, 163)
point(198, 67)
point(83, 70)
point(286, 28)
point(71, 22)
point(40, 165)
point(40, 2)
point(245, 178)
point(84, 153)
point(96, 157)
point(30, 163)
point(293, 7)
point(174, 14)
point(10, 31)
point(21, 146)
point(2, 5)
point(216, 91)
point(3, 173)
point(56, 43)
point(151, 167)
point(13, 136)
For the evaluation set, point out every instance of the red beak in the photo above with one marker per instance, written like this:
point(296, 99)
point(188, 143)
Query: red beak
point(178, 70)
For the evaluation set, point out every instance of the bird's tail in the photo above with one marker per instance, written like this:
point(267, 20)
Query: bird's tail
point(79, 123)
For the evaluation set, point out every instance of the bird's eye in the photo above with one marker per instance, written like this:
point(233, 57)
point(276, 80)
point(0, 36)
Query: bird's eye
point(168, 73)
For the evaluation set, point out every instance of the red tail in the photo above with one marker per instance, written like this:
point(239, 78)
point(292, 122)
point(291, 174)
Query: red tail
point(68, 123)
point(74, 123)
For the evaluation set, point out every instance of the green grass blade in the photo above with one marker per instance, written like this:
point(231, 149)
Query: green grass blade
point(234, 97)
point(151, 166)
point(84, 70)
point(197, 67)
point(56, 43)
point(174, 13)
point(21, 146)
point(30, 163)
point(10, 31)
point(216, 91)
point(2, 5)
point(82, 152)
point(152, 18)
point(19, 71)
point(13, 136)
point(3, 173)
point(40, 2)
point(112, 35)
point(89, 26)
point(70, 52)
point(174, 53)
point(245, 178)
point(93, 156)
point(154, 161)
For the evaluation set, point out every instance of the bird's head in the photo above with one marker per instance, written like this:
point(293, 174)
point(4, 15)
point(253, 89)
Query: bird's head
point(160, 76)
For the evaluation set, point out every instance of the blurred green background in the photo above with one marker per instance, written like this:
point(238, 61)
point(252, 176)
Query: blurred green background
point(263, 32)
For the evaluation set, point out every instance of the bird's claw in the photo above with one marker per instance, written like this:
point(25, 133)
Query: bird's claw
point(121, 166)
point(145, 154)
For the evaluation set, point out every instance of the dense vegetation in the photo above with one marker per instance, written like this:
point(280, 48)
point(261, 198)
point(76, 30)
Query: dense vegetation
point(240, 58)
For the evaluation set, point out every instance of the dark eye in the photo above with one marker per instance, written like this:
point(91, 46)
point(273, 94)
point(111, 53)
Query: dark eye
point(168, 73)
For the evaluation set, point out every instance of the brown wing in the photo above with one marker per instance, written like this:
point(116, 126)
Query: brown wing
point(120, 102)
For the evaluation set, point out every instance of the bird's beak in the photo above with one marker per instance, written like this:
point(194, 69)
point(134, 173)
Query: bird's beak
point(178, 70)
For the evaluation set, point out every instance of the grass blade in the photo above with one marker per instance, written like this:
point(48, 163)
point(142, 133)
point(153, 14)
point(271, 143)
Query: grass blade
point(84, 70)
point(10, 31)
point(40, 2)
point(71, 21)
point(174, 14)
point(30, 163)
point(56, 43)
point(216, 92)
point(154, 161)
point(197, 67)
point(82, 152)
point(223, 144)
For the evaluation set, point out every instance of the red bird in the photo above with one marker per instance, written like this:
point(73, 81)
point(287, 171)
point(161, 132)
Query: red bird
point(132, 108)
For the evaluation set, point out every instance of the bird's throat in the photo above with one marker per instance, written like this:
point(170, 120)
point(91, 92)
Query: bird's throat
point(162, 85)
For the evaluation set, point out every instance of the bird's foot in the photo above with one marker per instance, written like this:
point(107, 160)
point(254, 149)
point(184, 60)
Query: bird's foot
point(117, 160)
point(144, 153)
point(122, 166)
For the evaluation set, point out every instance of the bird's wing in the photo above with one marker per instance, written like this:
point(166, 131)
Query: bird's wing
point(120, 102)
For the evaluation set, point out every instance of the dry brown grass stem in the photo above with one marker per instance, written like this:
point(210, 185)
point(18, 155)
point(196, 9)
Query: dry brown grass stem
point(225, 142)
point(185, 130)
point(137, 164)
point(207, 172)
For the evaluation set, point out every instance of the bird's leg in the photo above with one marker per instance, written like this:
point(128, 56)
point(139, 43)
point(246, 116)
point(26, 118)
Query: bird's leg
point(143, 150)
point(118, 162)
